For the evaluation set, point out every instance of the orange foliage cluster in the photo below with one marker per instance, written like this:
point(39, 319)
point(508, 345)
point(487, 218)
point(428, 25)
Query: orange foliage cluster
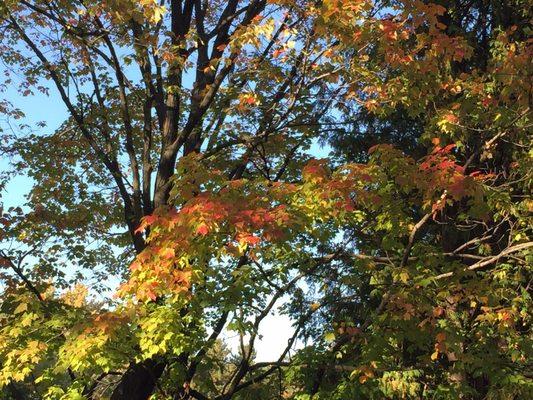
point(239, 215)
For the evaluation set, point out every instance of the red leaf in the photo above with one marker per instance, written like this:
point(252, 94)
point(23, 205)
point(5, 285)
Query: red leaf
point(146, 221)
point(251, 239)
point(202, 229)
point(448, 148)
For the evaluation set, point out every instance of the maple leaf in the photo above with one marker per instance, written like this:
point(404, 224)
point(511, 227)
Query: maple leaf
point(167, 252)
point(457, 189)
point(202, 229)
point(151, 295)
point(278, 52)
point(250, 239)
point(146, 222)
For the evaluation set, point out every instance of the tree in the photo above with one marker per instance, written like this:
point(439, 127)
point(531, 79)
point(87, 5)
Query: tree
point(189, 124)
point(416, 102)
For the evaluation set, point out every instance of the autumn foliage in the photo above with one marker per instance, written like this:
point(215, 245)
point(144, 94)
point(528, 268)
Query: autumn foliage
point(184, 199)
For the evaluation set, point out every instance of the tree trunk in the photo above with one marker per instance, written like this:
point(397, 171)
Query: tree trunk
point(139, 381)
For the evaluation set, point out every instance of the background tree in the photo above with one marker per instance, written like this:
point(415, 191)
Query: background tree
point(460, 101)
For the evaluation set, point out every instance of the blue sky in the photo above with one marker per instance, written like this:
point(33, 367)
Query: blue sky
point(36, 108)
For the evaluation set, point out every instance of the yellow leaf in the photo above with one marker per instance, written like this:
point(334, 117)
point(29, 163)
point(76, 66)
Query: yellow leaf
point(329, 337)
point(22, 307)
point(76, 296)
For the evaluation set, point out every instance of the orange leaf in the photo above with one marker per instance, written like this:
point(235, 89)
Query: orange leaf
point(277, 53)
point(202, 229)
point(151, 295)
point(251, 239)
point(146, 221)
point(451, 118)
point(167, 253)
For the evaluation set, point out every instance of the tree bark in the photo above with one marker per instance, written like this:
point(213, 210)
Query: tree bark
point(139, 381)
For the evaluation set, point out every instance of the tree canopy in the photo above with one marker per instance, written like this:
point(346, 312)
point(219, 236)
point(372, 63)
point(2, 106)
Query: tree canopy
point(188, 170)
